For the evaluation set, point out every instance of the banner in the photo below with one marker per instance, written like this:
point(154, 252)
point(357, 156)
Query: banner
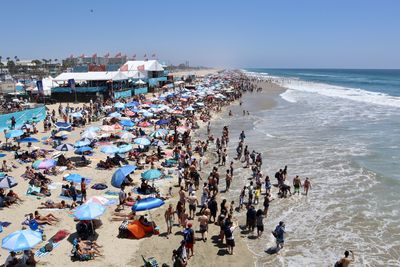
point(39, 85)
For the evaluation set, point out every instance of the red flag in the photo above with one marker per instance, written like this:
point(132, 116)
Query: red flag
point(118, 55)
point(140, 68)
point(153, 55)
point(83, 55)
point(94, 55)
point(107, 55)
point(124, 67)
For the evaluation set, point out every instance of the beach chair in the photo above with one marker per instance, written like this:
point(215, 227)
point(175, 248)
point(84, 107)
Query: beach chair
point(150, 262)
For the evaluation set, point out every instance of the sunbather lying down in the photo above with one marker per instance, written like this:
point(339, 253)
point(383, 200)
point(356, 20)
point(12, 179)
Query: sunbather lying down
point(49, 204)
point(119, 216)
point(88, 245)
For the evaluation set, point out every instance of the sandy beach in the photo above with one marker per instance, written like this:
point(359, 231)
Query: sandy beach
point(122, 252)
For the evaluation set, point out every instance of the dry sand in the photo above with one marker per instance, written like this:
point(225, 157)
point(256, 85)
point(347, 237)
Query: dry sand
point(117, 252)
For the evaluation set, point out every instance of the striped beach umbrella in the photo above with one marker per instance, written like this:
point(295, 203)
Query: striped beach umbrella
point(65, 147)
point(142, 141)
point(7, 182)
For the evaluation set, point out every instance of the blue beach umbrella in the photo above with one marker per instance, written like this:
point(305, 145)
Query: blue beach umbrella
point(74, 177)
point(21, 240)
point(109, 149)
point(142, 141)
point(28, 140)
point(125, 148)
point(120, 174)
point(132, 104)
point(92, 129)
point(119, 105)
point(83, 149)
point(115, 114)
point(127, 123)
point(148, 114)
point(160, 133)
point(14, 133)
point(2, 155)
point(162, 122)
point(77, 115)
point(82, 143)
point(152, 174)
point(65, 147)
point(148, 203)
point(89, 211)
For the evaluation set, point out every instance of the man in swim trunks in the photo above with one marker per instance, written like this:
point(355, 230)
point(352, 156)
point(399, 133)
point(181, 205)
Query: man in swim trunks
point(203, 219)
point(169, 218)
point(296, 185)
point(193, 202)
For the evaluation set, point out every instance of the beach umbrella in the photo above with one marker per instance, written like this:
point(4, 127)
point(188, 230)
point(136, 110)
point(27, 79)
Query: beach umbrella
point(127, 123)
point(142, 141)
point(92, 129)
point(158, 143)
point(21, 240)
point(7, 182)
point(89, 211)
point(120, 174)
point(89, 135)
point(2, 174)
point(62, 133)
point(14, 133)
point(182, 129)
point(82, 143)
point(148, 203)
point(125, 148)
point(119, 105)
point(190, 108)
point(152, 174)
point(127, 136)
point(44, 164)
point(132, 104)
point(109, 149)
point(162, 122)
point(64, 126)
point(98, 199)
point(65, 147)
point(160, 133)
point(144, 124)
point(28, 140)
point(83, 149)
point(114, 115)
point(107, 128)
point(129, 113)
point(77, 115)
point(148, 114)
point(73, 177)
point(2, 155)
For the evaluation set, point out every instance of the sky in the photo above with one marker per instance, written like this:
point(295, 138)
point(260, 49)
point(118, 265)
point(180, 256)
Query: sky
point(218, 33)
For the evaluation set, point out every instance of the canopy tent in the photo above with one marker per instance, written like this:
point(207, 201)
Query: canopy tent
point(140, 67)
point(91, 76)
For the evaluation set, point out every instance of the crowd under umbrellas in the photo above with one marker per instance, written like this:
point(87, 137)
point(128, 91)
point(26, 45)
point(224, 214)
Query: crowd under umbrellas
point(134, 133)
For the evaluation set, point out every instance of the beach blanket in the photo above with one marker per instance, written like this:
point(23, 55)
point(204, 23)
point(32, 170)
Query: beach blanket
point(78, 198)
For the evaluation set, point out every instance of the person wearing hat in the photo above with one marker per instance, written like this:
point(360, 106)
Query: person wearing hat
point(188, 235)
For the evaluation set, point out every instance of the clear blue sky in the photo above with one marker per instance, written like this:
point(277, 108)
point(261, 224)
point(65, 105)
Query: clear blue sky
point(263, 33)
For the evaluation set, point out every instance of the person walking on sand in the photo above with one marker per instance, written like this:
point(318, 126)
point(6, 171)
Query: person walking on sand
point(228, 180)
point(296, 185)
point(203, 220)
point(259, 222)
point(83, 190)
point(230, 240)
point(344, 262)
point(193, 202)
point(188, 235)
point(307, 185)
point(169, 218)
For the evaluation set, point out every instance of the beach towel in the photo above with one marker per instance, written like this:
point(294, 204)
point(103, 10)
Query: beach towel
point(42, 251)
point(112, 193)
point(60, 235)
point(78, 197)
point(32, 190)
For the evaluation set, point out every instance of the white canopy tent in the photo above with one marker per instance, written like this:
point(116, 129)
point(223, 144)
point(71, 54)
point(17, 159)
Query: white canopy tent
point(91, 76)
point(141, 67)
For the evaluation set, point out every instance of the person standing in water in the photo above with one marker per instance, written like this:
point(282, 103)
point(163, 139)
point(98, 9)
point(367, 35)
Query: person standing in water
point(344, 262)
point(307, 185)
point(279, 234)
point(296, 185)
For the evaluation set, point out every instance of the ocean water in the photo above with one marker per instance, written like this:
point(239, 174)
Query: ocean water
point(341, 128)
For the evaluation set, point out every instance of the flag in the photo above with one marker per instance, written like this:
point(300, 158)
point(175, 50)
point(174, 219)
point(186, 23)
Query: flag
point(83, 55)
point(153, 55)
point(39, 85)
point(124, 67)
point(118, 55)
point(140, 68)
point(71, 56)
point(145, 55)
point(107, 55)
point(94, 55)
